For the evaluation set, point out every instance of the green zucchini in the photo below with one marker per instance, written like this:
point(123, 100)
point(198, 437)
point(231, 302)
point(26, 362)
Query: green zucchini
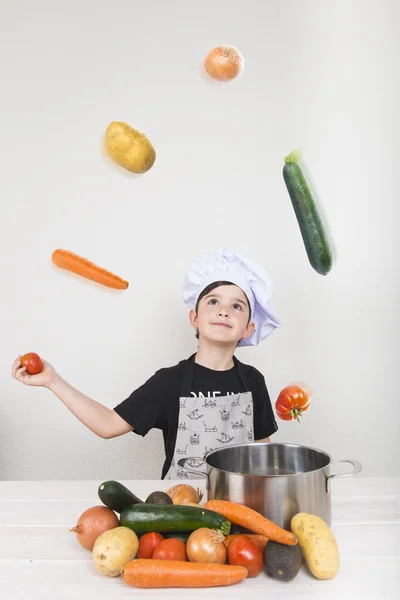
point(116, 496)
point(172, 518)
point(312, 230)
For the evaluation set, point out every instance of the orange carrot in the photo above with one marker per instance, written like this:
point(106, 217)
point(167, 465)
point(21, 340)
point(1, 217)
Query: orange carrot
point(159, 573)
point(82, 266)
point(259, 540)
point(252, 520)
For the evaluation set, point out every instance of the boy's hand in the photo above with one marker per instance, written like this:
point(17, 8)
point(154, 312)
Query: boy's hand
point(44, 378)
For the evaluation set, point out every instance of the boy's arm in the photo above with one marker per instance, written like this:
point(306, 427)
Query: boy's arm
point(102, 421)
point(267, 439)
point(145, 407)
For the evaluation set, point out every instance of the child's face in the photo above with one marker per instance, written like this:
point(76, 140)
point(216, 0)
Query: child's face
point(223, 315)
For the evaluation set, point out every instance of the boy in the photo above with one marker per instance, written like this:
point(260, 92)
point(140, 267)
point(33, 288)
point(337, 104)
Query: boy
point(210, 399)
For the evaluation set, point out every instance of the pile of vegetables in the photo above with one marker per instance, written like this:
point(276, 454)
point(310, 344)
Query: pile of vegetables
point(171, 540)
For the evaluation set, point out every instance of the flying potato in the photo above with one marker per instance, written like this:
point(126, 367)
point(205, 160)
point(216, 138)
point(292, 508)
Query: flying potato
point(129, 148)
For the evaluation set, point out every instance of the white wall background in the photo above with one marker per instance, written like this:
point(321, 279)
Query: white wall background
point(319, 75)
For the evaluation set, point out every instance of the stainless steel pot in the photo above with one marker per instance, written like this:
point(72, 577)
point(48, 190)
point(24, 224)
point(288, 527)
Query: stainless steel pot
point(276, 480)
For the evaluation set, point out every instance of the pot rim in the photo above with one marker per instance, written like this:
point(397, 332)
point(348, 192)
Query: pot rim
point(210, 467)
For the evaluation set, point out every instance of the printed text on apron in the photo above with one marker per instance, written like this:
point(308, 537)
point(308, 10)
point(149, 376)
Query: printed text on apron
point(207, 423)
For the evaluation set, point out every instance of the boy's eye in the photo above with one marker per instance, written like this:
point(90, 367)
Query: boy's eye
point(214, 301)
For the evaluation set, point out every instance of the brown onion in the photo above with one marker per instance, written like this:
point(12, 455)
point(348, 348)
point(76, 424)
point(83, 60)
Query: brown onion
point(224, 63)
point(93, 522)
point(183, 494)
point(206, 546)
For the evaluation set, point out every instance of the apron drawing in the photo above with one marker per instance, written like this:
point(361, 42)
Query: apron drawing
point(207, 423)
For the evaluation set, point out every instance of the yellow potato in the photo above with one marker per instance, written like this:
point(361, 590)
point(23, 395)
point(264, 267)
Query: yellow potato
point(113, 549)
point(318, 545)
point(129, 148)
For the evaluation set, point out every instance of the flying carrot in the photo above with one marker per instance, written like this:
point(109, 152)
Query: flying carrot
point(252, 520)
point(160, 573)
point(85, 268)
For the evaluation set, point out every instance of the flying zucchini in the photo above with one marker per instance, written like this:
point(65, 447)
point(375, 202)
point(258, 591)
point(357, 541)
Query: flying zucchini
point(312, 230)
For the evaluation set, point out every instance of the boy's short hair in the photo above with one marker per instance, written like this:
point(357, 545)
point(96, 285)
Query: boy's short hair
point(209, 289)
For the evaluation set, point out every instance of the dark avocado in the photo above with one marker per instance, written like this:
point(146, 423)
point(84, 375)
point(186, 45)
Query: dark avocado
point(158, 498)
point(281, 561)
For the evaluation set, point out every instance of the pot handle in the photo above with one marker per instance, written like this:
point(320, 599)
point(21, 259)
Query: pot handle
point(357, 467)
point(182, 463)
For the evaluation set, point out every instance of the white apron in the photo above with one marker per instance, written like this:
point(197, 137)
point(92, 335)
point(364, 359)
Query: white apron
point(205, 424)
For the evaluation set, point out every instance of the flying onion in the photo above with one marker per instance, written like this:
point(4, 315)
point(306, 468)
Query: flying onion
point(224, 63)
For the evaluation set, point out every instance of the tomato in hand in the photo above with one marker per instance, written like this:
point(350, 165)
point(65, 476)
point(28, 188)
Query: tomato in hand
point(148, 542)
point(170, 549)
point(32, 362)
point(292, 402)
point(243, 551)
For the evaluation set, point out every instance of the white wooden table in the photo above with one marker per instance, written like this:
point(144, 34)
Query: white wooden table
point(41, 559)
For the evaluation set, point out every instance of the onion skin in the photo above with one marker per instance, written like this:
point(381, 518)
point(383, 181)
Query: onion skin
point(184, 494)
point(206, 546)
point(92, 523)
point(224, 63)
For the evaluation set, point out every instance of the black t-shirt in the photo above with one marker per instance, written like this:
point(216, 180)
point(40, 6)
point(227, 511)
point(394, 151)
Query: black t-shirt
point(155, 404)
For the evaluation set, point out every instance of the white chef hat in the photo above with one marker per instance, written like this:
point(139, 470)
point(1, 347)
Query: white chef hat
point(226, 265)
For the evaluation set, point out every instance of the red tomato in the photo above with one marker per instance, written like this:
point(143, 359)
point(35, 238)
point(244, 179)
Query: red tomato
point(32, 363)
point(170, 549)
point(148, 543)
point(292, 402)
point(243, 551)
